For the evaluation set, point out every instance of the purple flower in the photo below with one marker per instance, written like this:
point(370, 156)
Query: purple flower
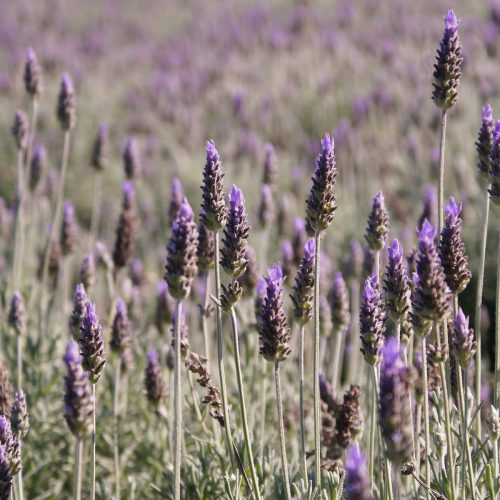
point(176, 195)
point(494, 189)
point(78, 312)
point(32, 74)
point(121, 330)
point(66, 103)
point(5, 474)
point(484, 142)
point(451, 23)
point(17, 314)
point(303, 289)
point(463, 341)
point(338, 299)
point(131, 159)
point(164, 306)
point(154, 383)
point(266, 205)
point(100, 149)
point(126, 228)
point(37, 166)
point(371, 320)
point(92, 343)
point(357, 484)
point(378, 224)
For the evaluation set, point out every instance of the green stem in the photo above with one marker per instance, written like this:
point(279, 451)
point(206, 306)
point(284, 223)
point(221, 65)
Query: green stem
point(479, 300)
point(336, 366)
point(497, 334)
point(284, 462)
point(303, 458)
point(92, 444)
point(96, 205)
point(426, 420)
point(353, 371)
point(116, 415)
point(373, 419)
point(441, 172)
point(220, 359)
point(204, 325)
point(177, 403)
point(263, 408)
point(20, 489)
point(19, 221)
point(317, 410)
point(462, 395)
point(78, 469)
point(19, 349)
point(241, 394)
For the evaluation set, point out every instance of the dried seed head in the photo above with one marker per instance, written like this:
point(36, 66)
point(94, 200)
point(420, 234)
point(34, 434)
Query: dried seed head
point(378, 224)
point(131, 159)
point(274, 333)
point(78, 312)
point(494, 189)
point(121, 330)
point(126, 228)
point(87, 271)
point(66, 103)
point(266, 206)
point(78, 399)
point(154, 384)
point(396, 285)
point(212, 191)
point(233, 253)
point(447, 69)
point(357, 485)
point(68, 229)
point(371, 321)
point(182, 259)
point(37, 166)
point(321, 203)
point(19, 417)
point(430, 299)
point(17, 314)
point(463, 341)
point(452, 249)
point(20, 129)
point(484, 143)
point(99, 157)
point(338, 298)
point(303, 289)
point(33, 74)
point(6, 391)
point(230, 295)
point(92, 343)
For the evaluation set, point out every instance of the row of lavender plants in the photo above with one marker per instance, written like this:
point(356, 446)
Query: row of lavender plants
point(381, 373)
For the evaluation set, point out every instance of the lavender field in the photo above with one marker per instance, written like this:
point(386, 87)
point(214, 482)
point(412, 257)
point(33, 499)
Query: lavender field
point(250, 249)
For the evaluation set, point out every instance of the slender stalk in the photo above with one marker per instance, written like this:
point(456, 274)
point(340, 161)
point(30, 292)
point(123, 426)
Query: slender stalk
point(496, 470)
point(78, 469)
point(20, 490)
point(353, 372)
point(220, 359)
point(19, 220)
point(92, 445)
point(497, 333)
point(462, 395)
point(426, 420)
point(241, 394)
point(418, 424)
point(441, 172)
point(377, 266)
point(303, 458)
point(284, 462)
point(177, 403)
point(263, 407)
point(19, 349)
point(96, 212)
point(116, 415)
point(373, 419)
point(317, 409)
point(336, 368)
point(54, 228)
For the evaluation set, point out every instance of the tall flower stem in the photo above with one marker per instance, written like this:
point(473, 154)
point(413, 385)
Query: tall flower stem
point(19, 220)
point(373, 418)
point(19, 349)
point(303, 459)
point(497, 333)
point(353, 367)
point(78, 469)
point(426, 420)
point(317, 409)
point(441, 171)
point(244, 419)
point(177, 403)
point(462, 395)
point(116, 415)
point(284, 462)
point(220, 359)
point(479, 299)
point(96, 205)
point(20, 489)
point(204, 326)
point(92, 445)
point(54, 228)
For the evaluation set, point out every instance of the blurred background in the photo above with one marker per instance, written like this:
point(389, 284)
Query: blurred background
point(246, 73)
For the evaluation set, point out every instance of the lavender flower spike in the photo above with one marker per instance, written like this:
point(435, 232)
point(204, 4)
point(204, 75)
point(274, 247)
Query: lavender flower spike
point(37, 166)
point(99, 157)
point(121, 330)
point(5, 475)
point(371, 321)
point(66, 103)
point(20, 130)
point(303, 289)
point(396, 381)
point(396, 285)
point(154, 384)
point(212, 190)
point(10, 442)
point(321, 204)
point(19, 417)
point(484, 143)
point(131, 159)
point(378, 224)
point(430, 299)
point(274, 332)
point(68, 229)
point(17, 314)
point(92, 343)
point(338, 299)
point(357, 484)
point(182, 260)
point(233, 253)
point(494, 189)
point(126, 228)
point(452, 249)
point(447, 69)
point(176, 195)
point(266, 205)
point(33, 74)
point(463, 341)
point(78, 312)
point(78, 400)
